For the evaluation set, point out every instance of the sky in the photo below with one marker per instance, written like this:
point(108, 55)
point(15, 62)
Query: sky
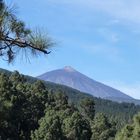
point(101, 39)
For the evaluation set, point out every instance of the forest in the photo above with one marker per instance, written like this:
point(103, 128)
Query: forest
point(32, 111)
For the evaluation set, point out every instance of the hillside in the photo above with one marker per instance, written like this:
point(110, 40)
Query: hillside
point(118, 111)
point(30, 111)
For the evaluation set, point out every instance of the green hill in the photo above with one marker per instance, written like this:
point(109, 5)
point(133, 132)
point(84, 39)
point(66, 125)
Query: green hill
point(121, 112)
point(32, 109)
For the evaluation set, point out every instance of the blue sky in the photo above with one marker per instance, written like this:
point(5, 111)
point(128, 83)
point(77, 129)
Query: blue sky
point(98, 38)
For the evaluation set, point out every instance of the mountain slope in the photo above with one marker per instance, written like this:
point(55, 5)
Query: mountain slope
point(72, 78)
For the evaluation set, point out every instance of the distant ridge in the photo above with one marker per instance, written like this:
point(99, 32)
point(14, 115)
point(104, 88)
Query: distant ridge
point(75, 95)
point(70, 77)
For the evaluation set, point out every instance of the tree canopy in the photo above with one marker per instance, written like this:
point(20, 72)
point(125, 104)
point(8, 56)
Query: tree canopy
point(35, 111)
point(14, 35)
point(130, 131)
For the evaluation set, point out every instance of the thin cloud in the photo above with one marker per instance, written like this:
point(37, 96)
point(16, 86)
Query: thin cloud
point(108, 52)
point(127, 10)
point(109, 35)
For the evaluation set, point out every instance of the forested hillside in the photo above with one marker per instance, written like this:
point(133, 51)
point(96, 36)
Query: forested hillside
point(37, 111)
point(120, 112)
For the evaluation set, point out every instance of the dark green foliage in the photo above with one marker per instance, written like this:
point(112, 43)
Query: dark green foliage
point(102, 128)
point(31, 109)
point(76, 127)
point(130, 131)
point(22, 105)
point(50, 128)
point(62, 121)
point(87, 105)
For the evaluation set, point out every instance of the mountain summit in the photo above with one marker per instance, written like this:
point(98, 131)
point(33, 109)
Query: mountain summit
point(70, 77)
point(69, 69)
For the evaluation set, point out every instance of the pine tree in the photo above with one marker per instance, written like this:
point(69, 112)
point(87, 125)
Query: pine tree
point(14, 35)
point(102, 129)
point(130, 131)
point(76, 127)
point(50, 128)
point(88, 108)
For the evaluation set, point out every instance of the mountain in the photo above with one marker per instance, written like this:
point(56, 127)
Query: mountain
point(70, 77)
